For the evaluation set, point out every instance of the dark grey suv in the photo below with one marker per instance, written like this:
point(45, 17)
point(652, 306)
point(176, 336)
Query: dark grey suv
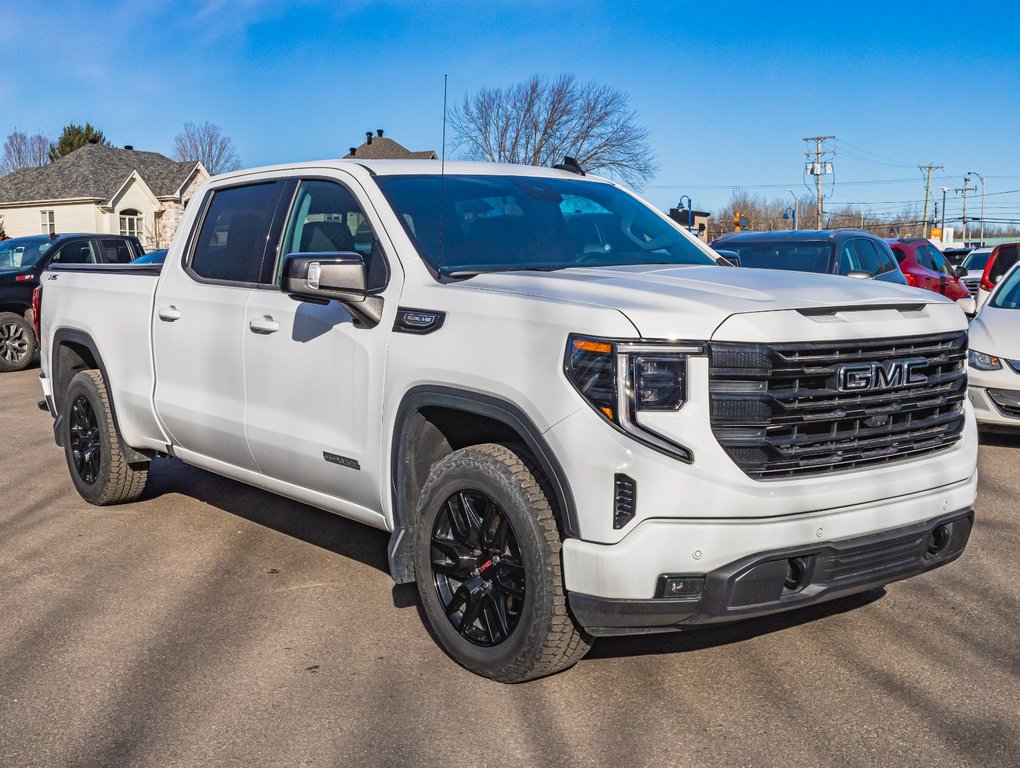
point(850, 252)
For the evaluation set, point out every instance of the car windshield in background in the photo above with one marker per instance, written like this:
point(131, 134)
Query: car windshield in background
point(1008, 296)
point(795, 256)
point(464, 224)
point(22, 252)
point(976, 261)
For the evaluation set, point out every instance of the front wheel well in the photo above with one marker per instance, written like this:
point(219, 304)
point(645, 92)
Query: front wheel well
point(434, 422)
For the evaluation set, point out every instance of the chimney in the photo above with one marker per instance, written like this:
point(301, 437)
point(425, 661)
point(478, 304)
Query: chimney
point(93, 141)
point(129, 146)
point(354, 151)
point(368, 137)
point(378, 132)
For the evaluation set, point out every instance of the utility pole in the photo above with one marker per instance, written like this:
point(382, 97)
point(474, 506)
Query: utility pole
point(965, 189)
point(818, 169)
point(927, 193)
point(943, 224)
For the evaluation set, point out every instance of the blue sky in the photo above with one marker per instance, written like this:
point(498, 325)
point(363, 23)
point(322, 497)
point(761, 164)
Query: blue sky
point(726, 89)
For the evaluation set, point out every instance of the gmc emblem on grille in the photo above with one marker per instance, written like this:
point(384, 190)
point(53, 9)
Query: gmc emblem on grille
point(863, 377)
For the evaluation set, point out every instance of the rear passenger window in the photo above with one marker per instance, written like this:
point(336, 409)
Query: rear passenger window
point(1004, 261)
point(116, 251)
point(77, 252)
point(233, 241)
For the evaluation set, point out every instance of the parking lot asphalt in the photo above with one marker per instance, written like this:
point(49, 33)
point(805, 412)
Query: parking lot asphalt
point(213, 624)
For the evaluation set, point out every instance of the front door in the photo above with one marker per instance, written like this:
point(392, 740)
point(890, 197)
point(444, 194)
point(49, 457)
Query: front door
point(199, 323)
point(314, 379)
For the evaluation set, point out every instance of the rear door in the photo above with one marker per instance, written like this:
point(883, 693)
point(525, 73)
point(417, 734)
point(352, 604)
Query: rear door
point(313, 376)
point(199, 321)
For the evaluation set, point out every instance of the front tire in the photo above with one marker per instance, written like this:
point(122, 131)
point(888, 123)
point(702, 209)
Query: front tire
point(99, 470)
point(17, 342)
point(487, 559)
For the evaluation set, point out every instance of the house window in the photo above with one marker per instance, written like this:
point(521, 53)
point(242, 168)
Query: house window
point(130, 222)
point(46, 219)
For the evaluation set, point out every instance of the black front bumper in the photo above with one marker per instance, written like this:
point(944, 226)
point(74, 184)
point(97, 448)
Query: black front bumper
point(759, 584)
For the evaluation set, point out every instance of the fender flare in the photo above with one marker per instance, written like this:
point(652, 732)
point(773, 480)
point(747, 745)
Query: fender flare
point(75, 336)
point(497, 409)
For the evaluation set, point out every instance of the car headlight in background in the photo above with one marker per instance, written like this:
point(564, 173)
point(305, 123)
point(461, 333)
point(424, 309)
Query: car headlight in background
point(620, 379)
point(981, 361)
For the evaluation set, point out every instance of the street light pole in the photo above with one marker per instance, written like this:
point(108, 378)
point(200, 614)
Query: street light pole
point(943, 224)
point(791, 213)
point(982, 178)
point(796, 206)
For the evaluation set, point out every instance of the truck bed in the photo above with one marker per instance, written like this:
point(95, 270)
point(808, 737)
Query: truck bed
point(112, 305)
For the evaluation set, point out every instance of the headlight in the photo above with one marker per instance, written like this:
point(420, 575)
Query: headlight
point(620, 379)
point(983, 362)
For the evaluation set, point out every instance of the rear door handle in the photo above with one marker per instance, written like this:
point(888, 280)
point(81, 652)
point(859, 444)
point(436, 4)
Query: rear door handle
point(169, 314)
point(264, 325)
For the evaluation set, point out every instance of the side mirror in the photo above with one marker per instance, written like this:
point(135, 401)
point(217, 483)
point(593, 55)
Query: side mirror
point(860, 274)
point(962, 272)
point(326, 276)
point(333, 276)
point(729, 258)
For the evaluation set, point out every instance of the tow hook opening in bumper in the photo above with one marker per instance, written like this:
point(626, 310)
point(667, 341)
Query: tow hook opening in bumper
point(780, 580)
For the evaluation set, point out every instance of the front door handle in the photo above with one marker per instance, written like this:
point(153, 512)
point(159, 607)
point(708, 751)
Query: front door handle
point(169, 314)
point(264, 325)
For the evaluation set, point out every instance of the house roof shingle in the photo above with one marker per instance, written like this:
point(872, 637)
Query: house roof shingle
point(94, 172)
point(385, 148)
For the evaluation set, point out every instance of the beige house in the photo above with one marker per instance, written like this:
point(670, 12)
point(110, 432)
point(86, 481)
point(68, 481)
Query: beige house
point(101, 189)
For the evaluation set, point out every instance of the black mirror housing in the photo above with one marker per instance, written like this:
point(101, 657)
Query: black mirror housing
point(339, 276)
point(962, 272)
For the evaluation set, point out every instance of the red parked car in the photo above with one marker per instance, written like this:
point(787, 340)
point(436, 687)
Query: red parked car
point(1001, 260)
point(924, 266)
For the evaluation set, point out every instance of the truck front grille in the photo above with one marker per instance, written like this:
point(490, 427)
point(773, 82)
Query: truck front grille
point(782, 410)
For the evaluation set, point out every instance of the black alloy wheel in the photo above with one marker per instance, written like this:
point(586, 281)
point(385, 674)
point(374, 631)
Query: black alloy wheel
point(85, 443)
point(15, 345)
point(477, 568)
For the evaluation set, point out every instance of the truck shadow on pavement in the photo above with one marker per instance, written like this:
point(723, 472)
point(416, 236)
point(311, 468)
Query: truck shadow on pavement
point(322, 529)
point(367, 545)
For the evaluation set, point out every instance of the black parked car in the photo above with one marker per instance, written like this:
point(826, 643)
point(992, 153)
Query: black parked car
point(22, 260)
point(850, 252)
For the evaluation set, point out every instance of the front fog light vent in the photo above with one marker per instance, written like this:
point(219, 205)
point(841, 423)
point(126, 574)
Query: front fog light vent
point(624, 500)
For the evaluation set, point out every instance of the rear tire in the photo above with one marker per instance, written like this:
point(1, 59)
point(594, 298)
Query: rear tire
point(17, 342)
point(487, 559)
point(99, 470)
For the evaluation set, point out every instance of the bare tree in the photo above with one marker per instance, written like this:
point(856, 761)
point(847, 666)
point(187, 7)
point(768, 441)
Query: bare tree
point(24, 151)
point(539, 122)
point(207, 144)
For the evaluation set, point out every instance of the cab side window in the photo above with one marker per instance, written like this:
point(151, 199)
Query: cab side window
point(76, 252)
point(326, 218)
point(235, 234)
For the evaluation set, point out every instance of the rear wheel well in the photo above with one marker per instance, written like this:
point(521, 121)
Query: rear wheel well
point(18, 309)
point(70, 359)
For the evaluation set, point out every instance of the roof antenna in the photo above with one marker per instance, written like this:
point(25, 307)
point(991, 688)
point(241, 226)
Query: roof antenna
point(442, 184)
point(569, 164)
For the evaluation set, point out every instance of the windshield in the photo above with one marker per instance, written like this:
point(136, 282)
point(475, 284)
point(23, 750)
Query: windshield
point(795, 256)
point(1008, 295)
point(23, 252)
point(976, 260)
point(496, 223)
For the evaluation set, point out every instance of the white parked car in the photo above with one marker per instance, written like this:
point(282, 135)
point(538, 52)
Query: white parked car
point(993, 362)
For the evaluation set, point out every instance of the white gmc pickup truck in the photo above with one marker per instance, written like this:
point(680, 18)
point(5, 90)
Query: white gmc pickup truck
point(574, 418)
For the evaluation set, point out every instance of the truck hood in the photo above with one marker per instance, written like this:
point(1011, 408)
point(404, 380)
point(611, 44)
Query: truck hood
point(692, 301)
